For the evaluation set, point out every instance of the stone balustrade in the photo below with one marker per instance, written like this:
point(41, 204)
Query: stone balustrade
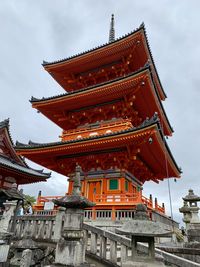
point(110, 247)
point(103, 244)
point(39, 227)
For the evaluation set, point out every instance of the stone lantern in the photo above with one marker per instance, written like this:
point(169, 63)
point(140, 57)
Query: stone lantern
point(193, 225)
point(193, 199)
point(186, 213)
point(142, 229)
point(70, 249)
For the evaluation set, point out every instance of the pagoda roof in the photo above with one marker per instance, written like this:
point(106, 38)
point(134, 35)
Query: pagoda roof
point(49, 153)
point(11, 163)
point(54, 66)
point(14, 166)
point(94, 94)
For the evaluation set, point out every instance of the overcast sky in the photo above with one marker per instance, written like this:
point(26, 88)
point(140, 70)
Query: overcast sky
point(33, 31)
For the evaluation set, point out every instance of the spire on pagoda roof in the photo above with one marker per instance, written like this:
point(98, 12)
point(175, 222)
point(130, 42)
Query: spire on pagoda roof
point(112, 30)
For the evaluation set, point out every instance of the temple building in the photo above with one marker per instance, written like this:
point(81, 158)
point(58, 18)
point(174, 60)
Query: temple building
point(13, 168)
point(113, 121)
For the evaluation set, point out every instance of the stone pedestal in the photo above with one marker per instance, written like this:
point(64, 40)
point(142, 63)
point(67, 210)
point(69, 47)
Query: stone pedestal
point(60, 216)
point(10, 207)
point(194, 215)
point(4, 235)
point(193, 233)
point(70, 249)
point(141, 229)
point(4, 247)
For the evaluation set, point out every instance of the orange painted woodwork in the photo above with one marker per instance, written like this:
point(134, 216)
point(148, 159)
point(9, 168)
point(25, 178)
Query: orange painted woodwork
point(119, 58)
point(127, 149)
point(134, 97)
point(113, 124)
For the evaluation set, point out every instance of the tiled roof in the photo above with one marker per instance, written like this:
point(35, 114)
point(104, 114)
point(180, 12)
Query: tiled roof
point(6, 162)
point(141, 27)
point(146, 67)
point(45, 63)
point(148, 122)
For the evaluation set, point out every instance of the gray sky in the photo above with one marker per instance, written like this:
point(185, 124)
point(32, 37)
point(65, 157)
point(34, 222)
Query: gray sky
point(33, 31)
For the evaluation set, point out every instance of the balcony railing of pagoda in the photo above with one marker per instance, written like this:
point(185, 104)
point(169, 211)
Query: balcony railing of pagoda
point(128, 198)
point(158, 208)
point(107, 215)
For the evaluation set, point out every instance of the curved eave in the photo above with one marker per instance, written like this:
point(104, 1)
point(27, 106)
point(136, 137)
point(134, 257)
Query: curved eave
point(20, 175)
point(52, 66)
point(22, 171)
point(46, 100)
point(46, 104)
point(46, 64)
point(117, 139)
point(5, 126)
point(163, 94)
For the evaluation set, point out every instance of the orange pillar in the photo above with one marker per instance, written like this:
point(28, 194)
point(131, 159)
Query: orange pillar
point(113, 215)
point(93, 213)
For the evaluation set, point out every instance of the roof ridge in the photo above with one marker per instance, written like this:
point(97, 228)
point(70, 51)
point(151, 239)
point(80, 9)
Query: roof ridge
point(45, 63)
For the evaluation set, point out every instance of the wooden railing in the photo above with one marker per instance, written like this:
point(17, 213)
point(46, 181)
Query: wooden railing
point(116, 199)
point(128, 199)
point(106, 215)
point(159, 208)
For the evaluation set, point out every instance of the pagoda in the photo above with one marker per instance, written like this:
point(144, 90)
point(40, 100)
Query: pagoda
point(113, 121)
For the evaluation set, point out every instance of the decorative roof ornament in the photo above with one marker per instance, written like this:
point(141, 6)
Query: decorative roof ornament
point(112, 30)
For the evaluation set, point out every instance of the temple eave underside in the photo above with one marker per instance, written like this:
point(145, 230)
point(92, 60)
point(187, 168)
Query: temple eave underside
point(126, 151)
point(134, 97)
point(112, 60)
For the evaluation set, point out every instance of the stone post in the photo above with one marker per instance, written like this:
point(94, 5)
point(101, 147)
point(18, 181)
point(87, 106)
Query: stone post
point(70, 249)
point(4, 234)
point(10, 207)
point(26, 258)
point(58, 224)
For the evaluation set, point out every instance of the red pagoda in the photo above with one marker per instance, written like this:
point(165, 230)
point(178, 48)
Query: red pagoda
point(114, 124)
